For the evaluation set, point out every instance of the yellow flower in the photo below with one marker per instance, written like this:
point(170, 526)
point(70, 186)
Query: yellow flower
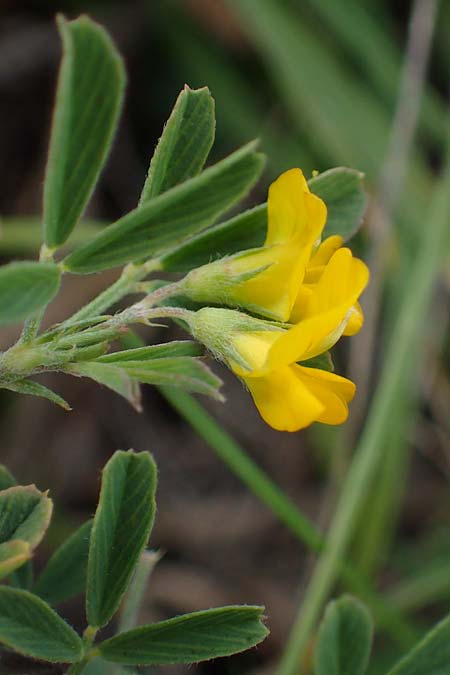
point(288, 393)
point(267, 280)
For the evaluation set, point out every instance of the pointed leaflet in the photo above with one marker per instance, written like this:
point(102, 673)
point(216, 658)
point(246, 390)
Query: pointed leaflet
point(26, 287)
point(340, 188)
point(344, 640)
point(185, 143)
point(150, 352)
point(88, 100)
point(31, 627)
point(431, 656)
point(189, 638)
point(25, 514)
point(7, 480)
point(171, 217)
point(64, 576)
point(35, 389)
point(111, 376)
point(122, 525)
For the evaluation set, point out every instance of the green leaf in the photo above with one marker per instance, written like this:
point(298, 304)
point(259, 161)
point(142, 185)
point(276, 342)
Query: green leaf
point(25, 287)
point(150, 352)
point(111, 376)
point(185, 143)
point(7, 480)
point(88, 101)
point(344, 639)
point(189, 638)
point(171, 217)
point(182, 371)
point(25, 514)
point(64, 576)
point(431, 656)
point(122, 525)
point(340, 188)
point(35, 389)
point(13, 554)
point(31, 627)
point(342, 191)
point(322, 362)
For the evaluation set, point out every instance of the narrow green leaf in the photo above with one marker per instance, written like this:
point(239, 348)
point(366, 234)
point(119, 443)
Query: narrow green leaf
point(344, 640)
point(431, 656)
point(88, 101)
point(64, 576)
point(182, 371)
point(13, 554)
point(25, 514)
point(185, 143)
point(322, 361)
point(342, 191)
point(340, 188)
point(35, 389)
point(29, 626)
point(189, 638)
point(171, 217)
point(111, 376)
point(7, 480)
point(150, 352)
point(26, 287)
point(122, 525)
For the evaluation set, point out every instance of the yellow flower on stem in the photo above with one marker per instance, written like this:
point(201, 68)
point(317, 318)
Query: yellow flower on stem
point(266, 280)
point(270, 359)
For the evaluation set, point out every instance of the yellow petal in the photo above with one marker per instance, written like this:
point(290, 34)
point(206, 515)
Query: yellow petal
point(283, 400)
point(325, 313)
point(293, 210)
point(253, 347)
point(326, 249)
point(355, 321)
point(333, 391)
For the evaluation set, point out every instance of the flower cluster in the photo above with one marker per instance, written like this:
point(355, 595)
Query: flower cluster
point(306, 291)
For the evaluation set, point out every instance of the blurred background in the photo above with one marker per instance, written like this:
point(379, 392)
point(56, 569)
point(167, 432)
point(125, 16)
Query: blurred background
point(321, 83)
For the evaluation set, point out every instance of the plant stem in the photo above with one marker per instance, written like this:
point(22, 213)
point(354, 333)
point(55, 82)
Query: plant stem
point(402, 351)
point(124, 285)
point(32, 325)
point(283, 508)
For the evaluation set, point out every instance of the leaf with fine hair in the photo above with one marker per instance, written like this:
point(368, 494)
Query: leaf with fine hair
point(431, 656)
point(189, 638)
point(25, 514)
point(122, 526)
point(36, 389)
point(109, 375)
point(185, 143)
point(344, 639)
point(168, 219)
point(150, 352)
point(13, 554)
point(26, 287)
point(7, 480)
point(340, 188)
point(88, 101)
point(64, 576)
point(29, 626)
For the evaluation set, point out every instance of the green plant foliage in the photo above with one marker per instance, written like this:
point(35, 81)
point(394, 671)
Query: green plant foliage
point(171, 217)
point(64, 576)
point(344, 640)
point(7, 480)
point(13, 554)
point(431, 656)
point(88, 101)
point(26, 287)
point(185, 143)
point(340, 188)
point(29, 626)
point(188, 638)
point(112, 376)
point(25, 514)
point(36, 389)
point(122, 525)
point(151, 352)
